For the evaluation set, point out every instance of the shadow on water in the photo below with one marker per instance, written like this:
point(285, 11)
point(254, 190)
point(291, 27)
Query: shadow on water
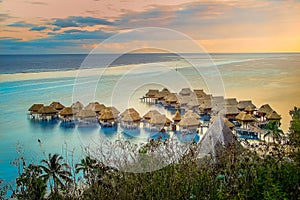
point(67, 124)
point(109, 131)
point(131, 133)
point(43, 124)
point(88, 126)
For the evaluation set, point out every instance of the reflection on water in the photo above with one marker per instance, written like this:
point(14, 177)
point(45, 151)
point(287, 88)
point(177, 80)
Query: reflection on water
point(43, 124)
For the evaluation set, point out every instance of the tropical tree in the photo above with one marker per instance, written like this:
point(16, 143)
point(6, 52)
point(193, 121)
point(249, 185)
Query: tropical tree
point(294, 133)
point(55, 172)
point(29, 185)
point(273, 130)
point(86, 166)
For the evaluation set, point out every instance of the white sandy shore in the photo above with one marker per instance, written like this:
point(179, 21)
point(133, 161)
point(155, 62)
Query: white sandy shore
point(116, 70)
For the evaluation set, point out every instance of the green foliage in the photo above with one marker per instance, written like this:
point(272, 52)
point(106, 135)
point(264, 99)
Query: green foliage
point(294, 131)
point(236, 175)
point(55, 172)
point(273, 129)
point(30, 185)
point(3, 190)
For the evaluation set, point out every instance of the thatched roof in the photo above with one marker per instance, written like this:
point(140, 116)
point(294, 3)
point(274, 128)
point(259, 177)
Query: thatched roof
point(193, 103)
point(95, 106)
point(162, 94)
point(189, 121)
point(249, 109)
point(57, 105)
point(177, 116)
point(265, 109)
point(185, 91)
point(77, 106)
point(107, 114)
point(113, 109)
point(129, 110)
point(273, 116)
point(130, 115)
point(158, 119)
point(86, 114)
point(206, 105)
point(190, 113)
point(243, 104)
point(230, 101)
point(66, 111)
point(35, 108)
point(231, 110)
point(183, 100)
point(208, 97)
point(218, 100)
point(150, 114)
point(216, 138)
point(151, 93)
point(168, 121)
point(243, 116)
point(47, 110)
point(226, 121)
point(172, 97)
point(200, 93)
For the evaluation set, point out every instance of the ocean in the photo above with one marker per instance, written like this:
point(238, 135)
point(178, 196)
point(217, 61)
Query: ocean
point(272, 78)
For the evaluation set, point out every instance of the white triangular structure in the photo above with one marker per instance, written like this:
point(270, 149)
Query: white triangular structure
point(216, 138)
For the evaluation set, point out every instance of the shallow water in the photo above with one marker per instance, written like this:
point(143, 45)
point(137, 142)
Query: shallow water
point(264, 78)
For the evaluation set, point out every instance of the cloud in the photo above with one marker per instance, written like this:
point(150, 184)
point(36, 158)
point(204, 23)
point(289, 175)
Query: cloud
point(20, 24)
point(38, 28)
point(81, 35)
point(69, 41)
point(78, 21)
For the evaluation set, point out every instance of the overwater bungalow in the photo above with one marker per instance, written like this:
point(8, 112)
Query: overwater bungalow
point(226, 122)
point(217, 104)
point(177, 117)
point(243, 104)
point(263, 111)
point(33, 110)
point(95, 106)
point(200, 93)
point(189, 125)
point(77, 106)
point(273, 116)
point(190, 113)
point(114, 111)
point(157, 122)
point(47, 113)
point(230, 112)
point(107, 118)
point(150, 114)
point(57, 105)
point(206, 107)
point(161, 94)
point(66, 114)
point(130, 119)
point(151, 96)
point(86, 116)
point(244, 118)
point(230, 102)
point(249, 110)
point(185, 92)
point(193, 104)
point(171, 99)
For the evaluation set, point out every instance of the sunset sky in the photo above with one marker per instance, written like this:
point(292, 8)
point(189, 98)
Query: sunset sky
point(68, 26)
